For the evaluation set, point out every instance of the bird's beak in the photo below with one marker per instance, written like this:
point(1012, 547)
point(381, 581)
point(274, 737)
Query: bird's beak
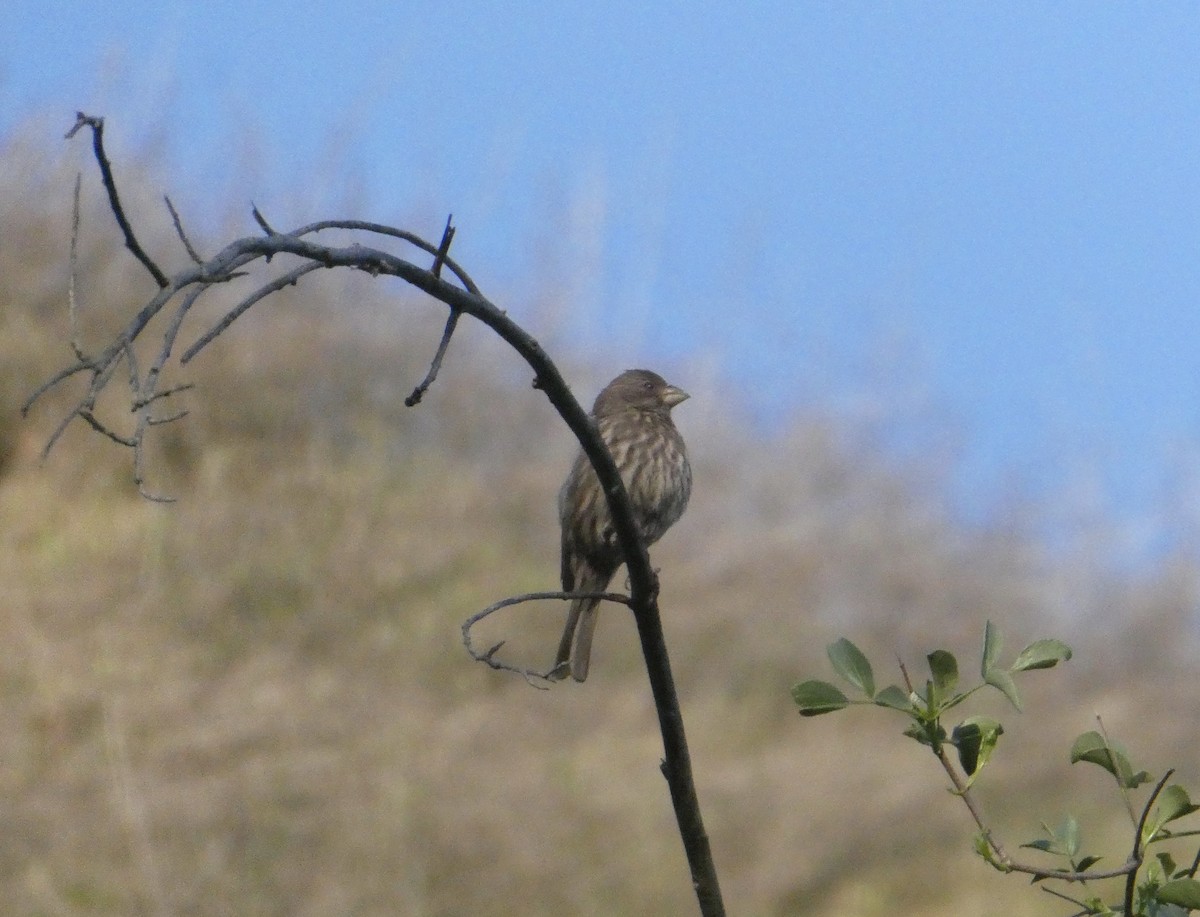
point(672, 396)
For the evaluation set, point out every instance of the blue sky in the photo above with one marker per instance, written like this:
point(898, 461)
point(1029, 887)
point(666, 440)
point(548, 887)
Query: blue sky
point(994, 205)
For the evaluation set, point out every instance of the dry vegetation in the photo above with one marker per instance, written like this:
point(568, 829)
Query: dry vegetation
point(255, 701)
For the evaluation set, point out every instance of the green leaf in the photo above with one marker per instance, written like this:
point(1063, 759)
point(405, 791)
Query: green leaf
point(1041, 844)
point(976, 738)
point(1167, 863)
point(992, 642)
point(930, 734)
point(1134, 780)
point(1152, 874)
point(1062, 841)
point(1088, 743)
point(1044, 654)
point(944, 669)
point(1174, 803)
point(1183, 892)
point(817, 697)
point(1087, 863)
point(1003, 682)
point(1068, 835)
point(849, 662)
point(895, 698)
point(984, 849)
point(1092, 748)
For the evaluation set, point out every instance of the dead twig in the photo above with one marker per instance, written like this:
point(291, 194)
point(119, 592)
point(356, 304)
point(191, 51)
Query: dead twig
point(488, 657)
point(114, 200)
point(451, 322)
point(187, 244)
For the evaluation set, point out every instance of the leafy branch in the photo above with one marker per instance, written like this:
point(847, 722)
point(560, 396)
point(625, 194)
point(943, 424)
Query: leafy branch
point(1149, 885)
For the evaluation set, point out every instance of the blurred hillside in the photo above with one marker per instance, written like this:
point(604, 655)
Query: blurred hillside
point(255, 700)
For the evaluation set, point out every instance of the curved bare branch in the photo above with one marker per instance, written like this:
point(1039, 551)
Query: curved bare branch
point(463, 298)
point(488, 657)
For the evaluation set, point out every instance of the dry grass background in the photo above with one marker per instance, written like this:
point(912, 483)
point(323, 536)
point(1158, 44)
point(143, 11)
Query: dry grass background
point(255, 701)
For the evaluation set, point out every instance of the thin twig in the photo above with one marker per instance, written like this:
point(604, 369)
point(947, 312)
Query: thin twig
point(1075, 901)
point(904, 674)
point(179, 231)
point(110, 184)
point(145, 395)
point(402, 234)
point(419, 392)
point(1130, 866)
point(72, 309)
point(1116, 773)
point(135, 384)
point(169, 418)
point(443, 247)
point(1191, 873)
point(261, 220)
point(451, 321)
point(533, 676)
point(139, 461)
point(163, 393)
point(96, 425)
point(82, 366)
point(1136, 854)
point(101, 374)
point(286, 280)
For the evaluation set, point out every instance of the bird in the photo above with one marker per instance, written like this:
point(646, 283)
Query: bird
point(633, 416)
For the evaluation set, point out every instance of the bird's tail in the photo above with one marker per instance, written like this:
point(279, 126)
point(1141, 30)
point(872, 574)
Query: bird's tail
point(575, 647)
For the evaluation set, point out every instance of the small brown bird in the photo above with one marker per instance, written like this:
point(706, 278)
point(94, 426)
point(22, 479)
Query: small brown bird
point(633, 414)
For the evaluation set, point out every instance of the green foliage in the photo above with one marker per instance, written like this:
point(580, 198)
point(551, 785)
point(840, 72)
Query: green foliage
point(849, 662)
point(976, 738)
point(813, 697)
point(939, 694)
point(1182, 892)
point(1153, 887)
point(1095, 749)
point(1064, 841)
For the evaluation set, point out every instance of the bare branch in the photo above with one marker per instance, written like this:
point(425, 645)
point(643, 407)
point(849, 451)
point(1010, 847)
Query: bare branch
point(72, 309)
point(419, 392)
point(488, 657)
point(146, 395)
point(170, 418)
point(110, 184)
point(287, 280)
point(139, 459)
point(451, 322)
point(134, 376)
point(179, 231)
point(261, 220)
point(165, 393)
point(402, 234)
point(444, 247)
point(462, 300)
point(96, 425)
point(82, 366)
point(1068, 898)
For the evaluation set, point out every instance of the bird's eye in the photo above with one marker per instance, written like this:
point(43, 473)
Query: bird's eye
point(648, 385)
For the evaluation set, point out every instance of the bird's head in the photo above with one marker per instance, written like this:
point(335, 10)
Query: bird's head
point(639, 389)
